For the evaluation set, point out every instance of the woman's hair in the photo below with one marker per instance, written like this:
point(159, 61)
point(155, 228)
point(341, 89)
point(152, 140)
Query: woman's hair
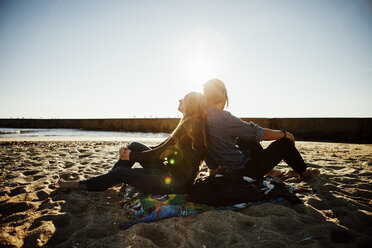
point(195, 112)
point(215, 92)
point(195, 106)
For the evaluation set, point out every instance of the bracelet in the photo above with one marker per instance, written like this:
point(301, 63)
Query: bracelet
point(285, 134)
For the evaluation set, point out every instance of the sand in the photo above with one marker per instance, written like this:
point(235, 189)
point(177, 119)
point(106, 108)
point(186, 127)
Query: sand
point(35, 213)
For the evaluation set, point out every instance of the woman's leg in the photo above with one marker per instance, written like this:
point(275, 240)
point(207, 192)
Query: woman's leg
point(134, 146)
point(144, 179)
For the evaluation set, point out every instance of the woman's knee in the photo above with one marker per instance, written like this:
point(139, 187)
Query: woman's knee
point(138, 147)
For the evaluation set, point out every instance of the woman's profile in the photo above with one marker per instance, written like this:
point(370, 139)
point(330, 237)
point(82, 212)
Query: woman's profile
point(170, 167)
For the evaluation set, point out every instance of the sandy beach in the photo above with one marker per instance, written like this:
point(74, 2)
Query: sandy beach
point(35, 213)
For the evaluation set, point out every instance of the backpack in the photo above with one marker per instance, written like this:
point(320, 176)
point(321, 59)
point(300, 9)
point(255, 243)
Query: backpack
point(226, 187)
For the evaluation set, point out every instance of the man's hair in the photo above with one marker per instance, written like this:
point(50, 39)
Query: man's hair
point(215, 92)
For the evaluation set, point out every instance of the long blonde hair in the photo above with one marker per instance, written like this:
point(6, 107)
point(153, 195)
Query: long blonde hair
point(195, 109)
point(215, 92)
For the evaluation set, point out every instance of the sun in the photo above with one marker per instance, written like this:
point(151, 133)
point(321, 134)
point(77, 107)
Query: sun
point(203, 53)
point(200, 69)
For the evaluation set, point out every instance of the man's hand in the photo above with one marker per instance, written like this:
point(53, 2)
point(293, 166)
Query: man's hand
point(124, 153)
point(290, 136)
point(272, 134)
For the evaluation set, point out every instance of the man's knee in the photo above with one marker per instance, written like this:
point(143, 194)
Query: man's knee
point(283, 144)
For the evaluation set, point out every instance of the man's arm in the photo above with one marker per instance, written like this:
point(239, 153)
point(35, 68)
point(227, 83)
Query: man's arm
point(272, 134)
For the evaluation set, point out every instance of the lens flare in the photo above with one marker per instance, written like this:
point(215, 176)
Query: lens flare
point(175, 153)
point(172, 161)
point(167, 180)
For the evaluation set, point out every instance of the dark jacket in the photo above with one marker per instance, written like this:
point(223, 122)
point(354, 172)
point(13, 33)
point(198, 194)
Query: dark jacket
point(178, 155)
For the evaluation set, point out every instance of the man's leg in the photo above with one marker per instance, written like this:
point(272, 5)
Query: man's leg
point(264, 160)
point(282, 149)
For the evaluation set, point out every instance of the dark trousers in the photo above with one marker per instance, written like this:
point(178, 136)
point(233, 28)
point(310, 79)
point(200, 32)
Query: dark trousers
point(263, 160)
point(149, 179)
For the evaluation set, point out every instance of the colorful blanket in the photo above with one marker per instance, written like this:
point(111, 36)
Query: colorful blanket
point(151, 207)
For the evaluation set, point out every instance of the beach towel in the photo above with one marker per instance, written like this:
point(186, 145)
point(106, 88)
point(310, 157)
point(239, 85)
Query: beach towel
point(140, 207)
point(152, 207)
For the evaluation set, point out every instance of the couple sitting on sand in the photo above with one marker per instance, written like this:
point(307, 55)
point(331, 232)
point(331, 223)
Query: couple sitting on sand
point(205, 132)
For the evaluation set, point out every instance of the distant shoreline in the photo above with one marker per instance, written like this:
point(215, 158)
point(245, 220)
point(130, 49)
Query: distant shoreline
point(73, 139)
point(354, 130)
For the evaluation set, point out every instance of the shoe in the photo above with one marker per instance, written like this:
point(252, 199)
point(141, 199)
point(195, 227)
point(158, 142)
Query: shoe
point(309, 173)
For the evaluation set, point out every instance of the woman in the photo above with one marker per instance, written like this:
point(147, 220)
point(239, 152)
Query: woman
point(235, 143)
point(170, 167)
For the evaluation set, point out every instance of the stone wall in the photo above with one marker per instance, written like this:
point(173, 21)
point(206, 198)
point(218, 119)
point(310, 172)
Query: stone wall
point(311, 129)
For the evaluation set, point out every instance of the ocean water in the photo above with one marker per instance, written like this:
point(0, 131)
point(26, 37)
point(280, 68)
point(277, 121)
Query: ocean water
point(65, 132)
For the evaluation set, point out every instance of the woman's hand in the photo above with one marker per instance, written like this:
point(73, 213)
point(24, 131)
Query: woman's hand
point(124, 153)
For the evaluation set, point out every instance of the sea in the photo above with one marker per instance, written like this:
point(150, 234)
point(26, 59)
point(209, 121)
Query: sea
point(80, 134)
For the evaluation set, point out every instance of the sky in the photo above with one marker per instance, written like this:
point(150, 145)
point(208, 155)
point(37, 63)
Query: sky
point(124, 59)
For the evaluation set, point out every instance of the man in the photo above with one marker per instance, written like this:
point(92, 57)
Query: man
point(235, 143)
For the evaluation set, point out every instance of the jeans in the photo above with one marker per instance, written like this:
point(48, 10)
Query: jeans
point(263, 160)
point(149, 179)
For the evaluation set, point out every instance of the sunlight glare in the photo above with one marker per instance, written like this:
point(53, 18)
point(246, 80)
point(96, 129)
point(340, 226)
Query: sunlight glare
point(203, 54)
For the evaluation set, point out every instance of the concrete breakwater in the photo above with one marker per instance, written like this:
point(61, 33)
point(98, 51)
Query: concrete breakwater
point(357, 130)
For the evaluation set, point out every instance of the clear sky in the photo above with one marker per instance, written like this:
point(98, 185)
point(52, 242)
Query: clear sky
point(119, 59)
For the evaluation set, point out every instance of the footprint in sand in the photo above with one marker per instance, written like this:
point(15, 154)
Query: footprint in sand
point(39, 234)
point(335, 167)
point(4, 192)
point(30, 173)
point(69, 164)
point(36, 164)
point(14, 218)
point(362, 193)
point(52, 186)
point(62, 220)
point(11, 176)
point(47, 204)
point(14, 207)
point(42, 195)
point(66, 176)
point(37, 177)
point(85, 155)
point(59, 220)
point(366, 174)
point(17, 191)
point(364, 186)
point(106, 166)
